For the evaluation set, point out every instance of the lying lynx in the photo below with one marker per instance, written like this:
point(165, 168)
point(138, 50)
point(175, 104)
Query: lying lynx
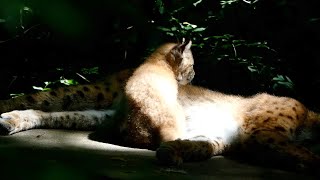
point(147, 107)
point(263, 126)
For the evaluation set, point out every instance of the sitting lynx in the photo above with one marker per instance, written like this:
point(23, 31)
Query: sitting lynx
point(155, 115)
point(262, 126)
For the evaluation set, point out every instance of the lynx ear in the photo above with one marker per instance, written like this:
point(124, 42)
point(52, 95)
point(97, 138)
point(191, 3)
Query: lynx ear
point(188, 46)
point(185, 45)
point(177, 54)
point(183, 40)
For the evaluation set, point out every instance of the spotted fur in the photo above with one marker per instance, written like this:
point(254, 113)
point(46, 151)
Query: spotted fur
point(264, 127)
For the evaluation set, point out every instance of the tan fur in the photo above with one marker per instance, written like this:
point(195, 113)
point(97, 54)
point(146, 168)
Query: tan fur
point(101, 95)
point(277, 124)
point(156, 115)
point(193, 123)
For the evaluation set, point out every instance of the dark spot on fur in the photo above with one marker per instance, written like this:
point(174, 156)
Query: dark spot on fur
point(270, 112)
point(297, 117)
point(208, 99)
point(107, 89)
point(67, 117)
point(294, 109)
point(45, 103)
point(280, 114)
point(267, 120)
point(203, 146)
point(66, 102)
point(96, 119)
point(216, 143)
point(270, 140)
point(56, 124)
point(115, 94)
point(256, 132)
point(252, 108)
point(279, 128)
point(290, 117)
point(207, 151)
point(107, 116)
point(97, 87)
point(30, 99)
point(73, 125)
point(100, 97)
point(80, 93)
point(22, 106)
point(276, 108)
point(53, 93)
point(275, 102)
point(86, 89)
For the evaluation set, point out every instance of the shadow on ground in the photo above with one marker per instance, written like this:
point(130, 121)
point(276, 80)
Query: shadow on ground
point(60, 154)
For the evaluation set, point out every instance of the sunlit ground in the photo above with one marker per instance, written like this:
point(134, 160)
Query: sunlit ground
point(60, 154)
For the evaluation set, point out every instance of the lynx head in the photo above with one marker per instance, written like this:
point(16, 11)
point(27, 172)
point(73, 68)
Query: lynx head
point(181, 60)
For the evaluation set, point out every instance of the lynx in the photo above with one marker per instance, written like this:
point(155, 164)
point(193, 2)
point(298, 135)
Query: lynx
point(146, 104)
point(155, 114)
point(270, 129)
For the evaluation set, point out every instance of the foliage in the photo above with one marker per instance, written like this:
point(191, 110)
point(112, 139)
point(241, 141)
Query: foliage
point(253, 45)
point(227, 47)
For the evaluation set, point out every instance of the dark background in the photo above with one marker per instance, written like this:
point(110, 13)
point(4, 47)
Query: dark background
point(240, 47)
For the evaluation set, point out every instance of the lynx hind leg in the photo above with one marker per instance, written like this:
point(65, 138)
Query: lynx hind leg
point(188, 150)
point(16, 121)
point(279, 151)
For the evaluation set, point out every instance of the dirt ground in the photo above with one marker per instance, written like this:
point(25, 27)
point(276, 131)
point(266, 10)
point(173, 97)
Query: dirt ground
point(62, 154)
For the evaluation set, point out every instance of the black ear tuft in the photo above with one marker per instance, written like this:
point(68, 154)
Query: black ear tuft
point(185, 45)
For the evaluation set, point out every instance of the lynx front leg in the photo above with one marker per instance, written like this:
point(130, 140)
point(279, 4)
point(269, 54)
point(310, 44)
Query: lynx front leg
point(16, 121)
point(195, 149)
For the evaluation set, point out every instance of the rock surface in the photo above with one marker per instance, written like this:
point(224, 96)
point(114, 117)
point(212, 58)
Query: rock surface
point(62, 154)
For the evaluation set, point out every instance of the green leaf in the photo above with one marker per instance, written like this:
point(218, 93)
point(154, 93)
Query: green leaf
point(41, 88)
point(252, 69)
point(163, 28)
point(160, 6)
point(93, 70)
point(173, 28)
point(169, 34)
point(199, 29)
point(13, 95)
point(68, 82)
point(196, 3)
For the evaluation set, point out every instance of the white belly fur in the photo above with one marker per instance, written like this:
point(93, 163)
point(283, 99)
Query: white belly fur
point(211, 121)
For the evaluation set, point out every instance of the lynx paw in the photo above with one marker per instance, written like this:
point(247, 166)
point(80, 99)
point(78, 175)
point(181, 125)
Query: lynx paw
point(168, 155)
point(16, 121)
point(7, 123)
